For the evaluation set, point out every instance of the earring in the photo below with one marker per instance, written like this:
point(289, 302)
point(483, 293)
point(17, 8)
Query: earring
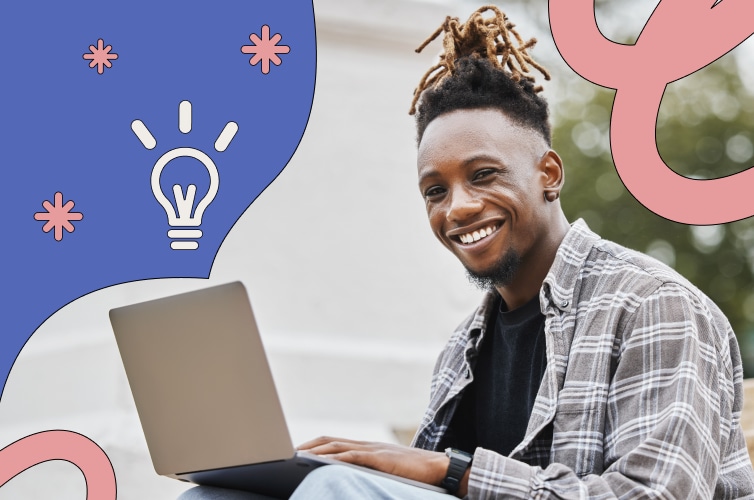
point(551, 195)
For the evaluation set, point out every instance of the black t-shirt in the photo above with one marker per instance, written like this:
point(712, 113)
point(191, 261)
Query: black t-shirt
point(495, 408)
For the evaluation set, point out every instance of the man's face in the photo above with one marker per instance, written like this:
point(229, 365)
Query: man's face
point(482, 179)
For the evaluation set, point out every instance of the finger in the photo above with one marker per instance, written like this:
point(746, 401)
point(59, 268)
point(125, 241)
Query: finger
point(337, 447)
point(318, 441)
point(322, 440)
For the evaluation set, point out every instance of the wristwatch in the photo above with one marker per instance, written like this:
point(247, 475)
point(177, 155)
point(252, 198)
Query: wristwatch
point(459, 462)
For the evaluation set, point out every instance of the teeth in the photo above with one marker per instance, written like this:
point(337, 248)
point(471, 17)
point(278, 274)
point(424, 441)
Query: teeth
point(476, 235)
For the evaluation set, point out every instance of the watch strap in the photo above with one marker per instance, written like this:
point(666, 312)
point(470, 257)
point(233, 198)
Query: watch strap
point(459, 462)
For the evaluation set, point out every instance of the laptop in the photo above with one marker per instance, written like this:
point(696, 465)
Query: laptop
point(205, 395)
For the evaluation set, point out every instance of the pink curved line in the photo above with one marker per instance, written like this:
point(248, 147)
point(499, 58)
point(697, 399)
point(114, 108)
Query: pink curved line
point(654, 184)
point(62, 445)
point(640, 74)
point(574, 28)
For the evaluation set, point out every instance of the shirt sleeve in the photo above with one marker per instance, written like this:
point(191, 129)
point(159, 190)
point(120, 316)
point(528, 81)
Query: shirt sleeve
point(672, 416)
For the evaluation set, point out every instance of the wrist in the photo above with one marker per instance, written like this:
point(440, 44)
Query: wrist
point(463, 488)
point(440, 468)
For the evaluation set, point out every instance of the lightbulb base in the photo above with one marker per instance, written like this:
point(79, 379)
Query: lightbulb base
point(183, 235)
point(184, 245)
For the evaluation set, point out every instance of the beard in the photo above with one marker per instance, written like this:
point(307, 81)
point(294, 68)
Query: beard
point(500, 274)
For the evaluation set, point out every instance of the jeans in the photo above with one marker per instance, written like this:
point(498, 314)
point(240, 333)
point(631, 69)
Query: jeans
point(342, 482)
point(330, 483)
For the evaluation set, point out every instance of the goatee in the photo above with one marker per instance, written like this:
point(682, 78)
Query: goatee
point(500, 274)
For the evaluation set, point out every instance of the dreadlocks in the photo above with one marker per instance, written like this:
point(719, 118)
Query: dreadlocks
point(484, 64)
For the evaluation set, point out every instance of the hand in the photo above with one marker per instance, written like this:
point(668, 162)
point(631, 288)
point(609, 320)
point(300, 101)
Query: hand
point(413, 463)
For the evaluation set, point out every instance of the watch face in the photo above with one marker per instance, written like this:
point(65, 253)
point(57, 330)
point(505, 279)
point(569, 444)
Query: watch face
point(458, 453)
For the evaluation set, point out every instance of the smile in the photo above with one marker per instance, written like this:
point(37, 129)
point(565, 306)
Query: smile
point(477, 235)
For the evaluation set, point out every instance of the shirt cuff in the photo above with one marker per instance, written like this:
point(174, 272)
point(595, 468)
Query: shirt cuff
point(495, 476)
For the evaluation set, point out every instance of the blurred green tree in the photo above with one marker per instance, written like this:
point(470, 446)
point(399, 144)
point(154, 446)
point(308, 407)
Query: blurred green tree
point(705, 129)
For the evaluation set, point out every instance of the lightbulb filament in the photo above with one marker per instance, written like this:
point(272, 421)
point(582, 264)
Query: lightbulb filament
point(184, 203)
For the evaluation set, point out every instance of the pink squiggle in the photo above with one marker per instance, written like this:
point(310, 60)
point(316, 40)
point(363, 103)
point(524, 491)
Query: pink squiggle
point(681, 37)
point(61, 445)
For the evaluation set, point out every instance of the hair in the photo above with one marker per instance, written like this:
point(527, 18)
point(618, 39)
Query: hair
point(484, 64)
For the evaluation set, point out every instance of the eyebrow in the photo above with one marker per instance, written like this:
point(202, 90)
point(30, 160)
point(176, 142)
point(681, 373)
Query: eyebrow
point(427, 175)
point(481, 157)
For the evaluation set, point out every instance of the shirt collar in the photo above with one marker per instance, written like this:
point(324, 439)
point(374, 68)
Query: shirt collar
point(484, 313)
point(560, 283)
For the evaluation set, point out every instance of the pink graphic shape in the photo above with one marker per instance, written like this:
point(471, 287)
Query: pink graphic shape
point(681, 37)
point(100, 56)
point(62, 445)
point(58, 216)
point(265, 49)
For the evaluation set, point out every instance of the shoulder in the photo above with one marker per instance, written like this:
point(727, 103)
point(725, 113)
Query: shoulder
point(660, 304)
point(613, 268)
point(588, 265)
point(600, 285)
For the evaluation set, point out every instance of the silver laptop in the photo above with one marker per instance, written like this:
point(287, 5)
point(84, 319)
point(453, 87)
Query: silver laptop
point(205, 394)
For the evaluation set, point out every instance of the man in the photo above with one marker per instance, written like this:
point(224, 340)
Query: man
point(589, 370)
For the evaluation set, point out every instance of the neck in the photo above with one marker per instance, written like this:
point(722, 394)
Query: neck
point(534, 268)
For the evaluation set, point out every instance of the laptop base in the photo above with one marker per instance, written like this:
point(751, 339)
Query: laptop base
point(276, 479)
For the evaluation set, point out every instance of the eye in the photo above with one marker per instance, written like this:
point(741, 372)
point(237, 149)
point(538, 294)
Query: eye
point(434, 192)
point(481, 174)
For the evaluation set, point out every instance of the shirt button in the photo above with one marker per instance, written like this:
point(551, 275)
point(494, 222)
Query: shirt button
point(564, 303)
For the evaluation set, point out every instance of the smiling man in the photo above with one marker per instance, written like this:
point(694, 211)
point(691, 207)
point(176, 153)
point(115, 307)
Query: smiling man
point(589, 370)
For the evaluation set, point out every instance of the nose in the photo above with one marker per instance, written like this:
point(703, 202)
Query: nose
point(463, 206)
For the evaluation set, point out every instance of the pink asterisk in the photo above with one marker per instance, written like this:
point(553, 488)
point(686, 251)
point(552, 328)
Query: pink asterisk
point(100, 56)
point(265, 49)
point(58, 216)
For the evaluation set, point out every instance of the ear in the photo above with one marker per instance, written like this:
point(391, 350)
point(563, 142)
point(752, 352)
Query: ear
point(551, 167)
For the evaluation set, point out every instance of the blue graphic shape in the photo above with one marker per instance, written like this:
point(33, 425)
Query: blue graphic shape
point(67, 128)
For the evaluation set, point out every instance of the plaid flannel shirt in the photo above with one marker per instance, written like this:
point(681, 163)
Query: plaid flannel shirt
point(642, 391)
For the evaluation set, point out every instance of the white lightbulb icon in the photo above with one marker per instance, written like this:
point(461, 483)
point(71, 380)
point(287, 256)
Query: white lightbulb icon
point(187, 212)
